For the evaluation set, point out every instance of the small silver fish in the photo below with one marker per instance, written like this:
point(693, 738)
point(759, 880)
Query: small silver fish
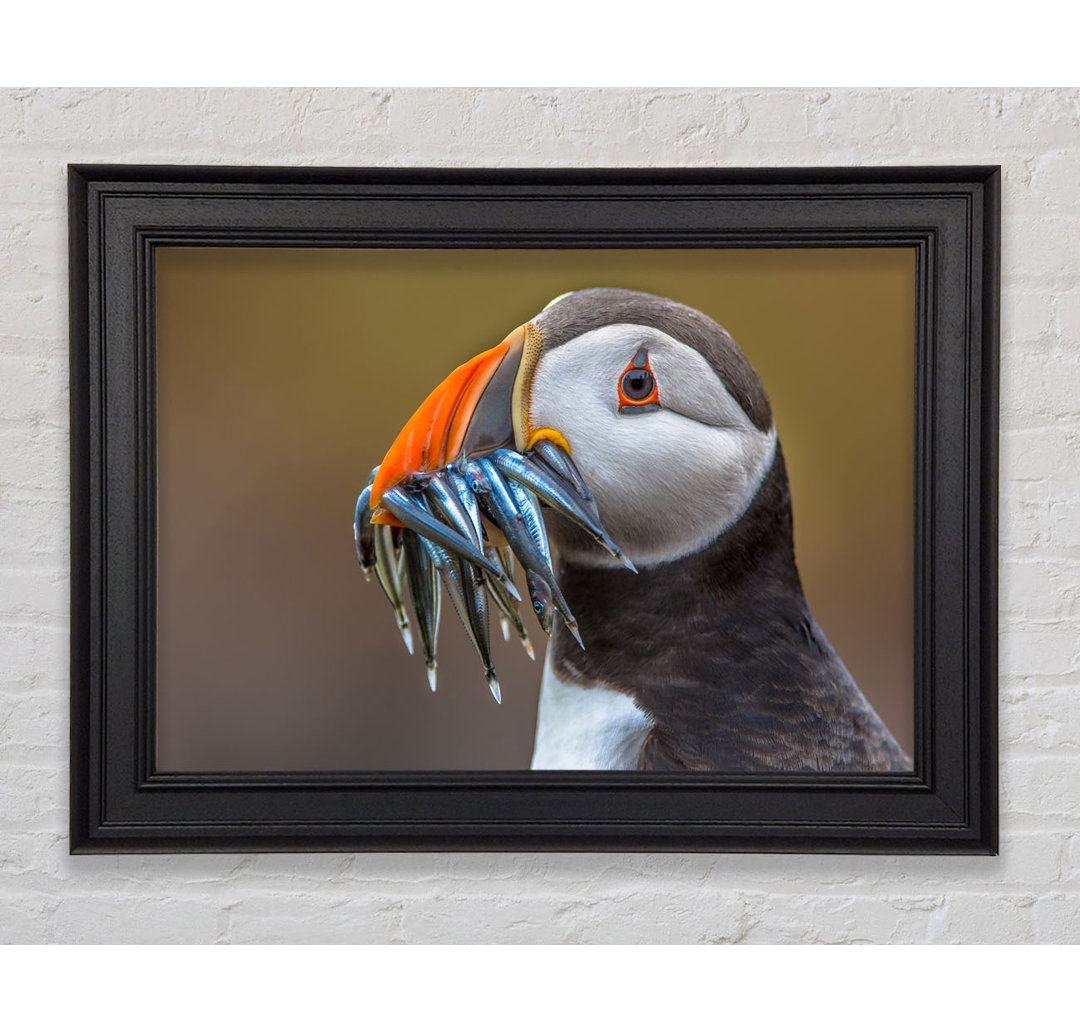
point(412, 510)
point(460, 579)
point(537, 477)
point(465, 496)
point(559, 460)
point(425, 587)
point(529, 508)
point(444, 501)
point(488, 483)
point(362, 533)
point(476, 602)
point(509, 614)
point(388, 573)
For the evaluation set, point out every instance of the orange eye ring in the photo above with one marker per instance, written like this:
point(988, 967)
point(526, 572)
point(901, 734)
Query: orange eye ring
point(637, 385)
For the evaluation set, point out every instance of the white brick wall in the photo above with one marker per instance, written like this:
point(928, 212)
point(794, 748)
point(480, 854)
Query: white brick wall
point(1029, 893)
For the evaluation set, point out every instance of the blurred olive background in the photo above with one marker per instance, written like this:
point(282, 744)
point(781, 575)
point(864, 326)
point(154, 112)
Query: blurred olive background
point(283, 376)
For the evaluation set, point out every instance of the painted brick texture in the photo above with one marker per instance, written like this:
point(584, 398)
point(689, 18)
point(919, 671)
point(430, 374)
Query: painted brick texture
point(1030, 893)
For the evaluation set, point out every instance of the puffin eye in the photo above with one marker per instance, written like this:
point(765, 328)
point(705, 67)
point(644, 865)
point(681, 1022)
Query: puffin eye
point(637, 386)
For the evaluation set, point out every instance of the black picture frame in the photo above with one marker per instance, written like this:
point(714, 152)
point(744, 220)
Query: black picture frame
point(120, 215)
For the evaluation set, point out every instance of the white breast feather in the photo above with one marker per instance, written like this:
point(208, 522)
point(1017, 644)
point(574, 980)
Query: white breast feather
point(593, 729)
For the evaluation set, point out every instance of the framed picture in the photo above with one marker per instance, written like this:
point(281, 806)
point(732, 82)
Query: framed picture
point(678, 486)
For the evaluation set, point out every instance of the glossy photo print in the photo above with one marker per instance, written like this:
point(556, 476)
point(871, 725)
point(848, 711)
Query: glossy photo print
point(646, 510)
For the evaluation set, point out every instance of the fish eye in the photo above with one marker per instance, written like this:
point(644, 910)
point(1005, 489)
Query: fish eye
point(538, 607)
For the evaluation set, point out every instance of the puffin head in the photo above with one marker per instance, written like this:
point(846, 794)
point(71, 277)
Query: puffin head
point(660, 410)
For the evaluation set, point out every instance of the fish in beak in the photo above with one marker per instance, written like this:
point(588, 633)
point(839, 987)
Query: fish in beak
point(469, 477)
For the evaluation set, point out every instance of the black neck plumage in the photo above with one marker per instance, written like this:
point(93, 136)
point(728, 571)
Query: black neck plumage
point(719, 649)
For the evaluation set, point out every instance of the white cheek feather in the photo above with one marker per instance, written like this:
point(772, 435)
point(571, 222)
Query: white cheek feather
point(667, 483)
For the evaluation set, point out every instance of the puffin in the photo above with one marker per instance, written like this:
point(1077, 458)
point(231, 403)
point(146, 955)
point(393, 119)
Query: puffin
point(681, 640)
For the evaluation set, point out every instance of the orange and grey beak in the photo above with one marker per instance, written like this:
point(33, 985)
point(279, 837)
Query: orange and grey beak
point(483, 405)
point(464, 526)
